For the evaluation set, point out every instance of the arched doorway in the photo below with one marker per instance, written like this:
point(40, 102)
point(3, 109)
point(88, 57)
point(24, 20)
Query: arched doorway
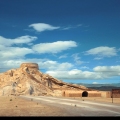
point(85, 94)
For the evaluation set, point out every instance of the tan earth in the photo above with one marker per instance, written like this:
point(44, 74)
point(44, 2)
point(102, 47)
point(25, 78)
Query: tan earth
point(15, 106)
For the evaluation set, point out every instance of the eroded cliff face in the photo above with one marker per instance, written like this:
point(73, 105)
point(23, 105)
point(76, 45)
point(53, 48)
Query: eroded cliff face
point(28, 80)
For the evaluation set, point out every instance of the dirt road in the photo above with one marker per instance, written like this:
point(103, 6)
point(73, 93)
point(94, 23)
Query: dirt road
point(58, 106)
point(79, 107)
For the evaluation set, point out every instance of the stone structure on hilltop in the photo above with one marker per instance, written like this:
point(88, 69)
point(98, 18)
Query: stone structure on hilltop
point(28, 80)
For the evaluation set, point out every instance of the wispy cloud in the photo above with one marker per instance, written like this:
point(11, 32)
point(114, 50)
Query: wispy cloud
point(107, 68)
point(74, 74)
point(54, 47)
point(84, 67)
point(54, 65)
point(71, 27)
point(77, 58)
point(67, 28)
point(98, 58)
point(95, 83)
point(14, 52)
point(19, 40)
point(63, 56)
point(40, 27)
point(12, 55)
point(79, 25)
point(62, 70)
point(108, 71)
point(7, 51)
point(119, 49)
point(102, 51)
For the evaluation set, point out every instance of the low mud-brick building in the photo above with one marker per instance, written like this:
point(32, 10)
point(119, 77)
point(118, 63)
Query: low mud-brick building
point(86, 93)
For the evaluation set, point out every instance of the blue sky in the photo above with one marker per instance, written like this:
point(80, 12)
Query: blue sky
point(73, 40)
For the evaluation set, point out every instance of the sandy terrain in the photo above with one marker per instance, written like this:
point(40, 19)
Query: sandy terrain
point(14, 106)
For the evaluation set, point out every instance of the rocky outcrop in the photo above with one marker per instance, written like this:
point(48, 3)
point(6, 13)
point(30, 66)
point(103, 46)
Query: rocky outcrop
point(28, 80)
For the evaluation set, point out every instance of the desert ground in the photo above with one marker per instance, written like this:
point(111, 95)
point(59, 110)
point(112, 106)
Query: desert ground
point(16, 106)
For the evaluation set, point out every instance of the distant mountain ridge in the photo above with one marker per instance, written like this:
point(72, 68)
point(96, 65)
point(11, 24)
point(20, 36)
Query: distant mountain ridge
point(104, 87)
point(99, 85)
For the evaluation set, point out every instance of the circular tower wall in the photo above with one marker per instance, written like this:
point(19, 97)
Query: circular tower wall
point(30, 65)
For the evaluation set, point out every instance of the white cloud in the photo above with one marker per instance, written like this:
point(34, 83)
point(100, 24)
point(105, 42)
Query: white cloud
point(74, 74)
point(107, 68)
point(40, 27)
point(8, 52)
point(24, 39)
point(12, 57)
point(5, 41)
point(64, 66)
point(77, 58)
point(108, 71)
point(63, 56)
point(54, 65)
point(67, 28)
point(14, 52)
point(84, 67)
point(98, 58)
point(19, 40)
point(63, 70)
point(54, 47)
point(11, 64)
point(79, 25)
point(48, 64)
point(15, 63)
point(43, 64)
point(102, 51)
point(95, 83)
point(99, 72)
point(71, 27)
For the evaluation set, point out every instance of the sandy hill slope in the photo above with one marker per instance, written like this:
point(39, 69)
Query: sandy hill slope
point(28, 80)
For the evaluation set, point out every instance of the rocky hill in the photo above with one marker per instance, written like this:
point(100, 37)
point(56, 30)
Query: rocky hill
point(28, 80)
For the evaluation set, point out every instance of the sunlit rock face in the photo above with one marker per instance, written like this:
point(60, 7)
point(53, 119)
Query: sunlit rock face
point(28, 80)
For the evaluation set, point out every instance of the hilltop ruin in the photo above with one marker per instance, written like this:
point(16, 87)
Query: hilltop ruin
point(29, 80)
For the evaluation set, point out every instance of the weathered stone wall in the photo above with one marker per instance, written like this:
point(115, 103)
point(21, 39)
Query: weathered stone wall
point(75, 94)
point(94, 94)
point(106, 94)
point(116, 95)
point(29, 65)
point(71, 93)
